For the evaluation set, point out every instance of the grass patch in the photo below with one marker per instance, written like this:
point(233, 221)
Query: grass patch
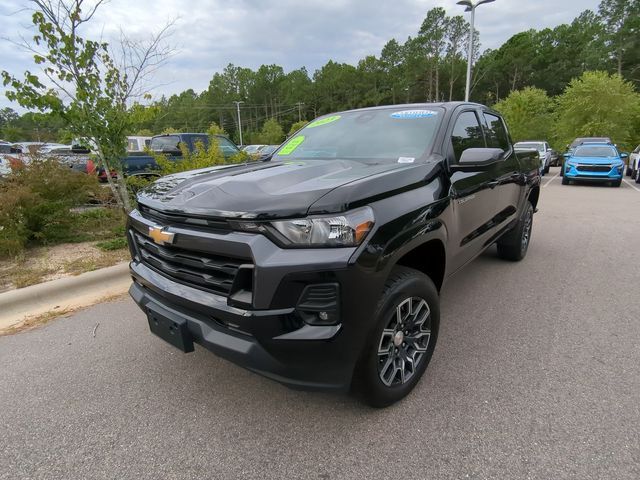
point(106, 259)
point(24, 277)
point(115, 244)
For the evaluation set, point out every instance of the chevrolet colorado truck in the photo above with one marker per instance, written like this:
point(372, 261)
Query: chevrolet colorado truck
point(321, 268)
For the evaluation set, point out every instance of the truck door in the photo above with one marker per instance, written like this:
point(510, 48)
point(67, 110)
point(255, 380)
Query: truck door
point(472, 197)
point(506, 182)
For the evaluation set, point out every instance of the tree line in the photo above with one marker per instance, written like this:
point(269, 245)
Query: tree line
point(429, 66)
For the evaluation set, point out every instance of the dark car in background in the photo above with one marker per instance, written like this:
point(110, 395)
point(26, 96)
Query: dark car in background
point(171, 145)
point(266, 152)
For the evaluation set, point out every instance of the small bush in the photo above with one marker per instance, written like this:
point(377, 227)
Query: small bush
point(36, 202)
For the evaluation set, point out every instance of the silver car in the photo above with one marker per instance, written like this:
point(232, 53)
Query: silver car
point(544, 150)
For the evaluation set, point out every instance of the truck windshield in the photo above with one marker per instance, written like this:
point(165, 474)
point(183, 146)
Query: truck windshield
point(594, 151)
point(396, 134)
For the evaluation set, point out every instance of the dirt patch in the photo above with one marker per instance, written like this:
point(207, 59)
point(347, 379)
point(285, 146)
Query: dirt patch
point(43, 264)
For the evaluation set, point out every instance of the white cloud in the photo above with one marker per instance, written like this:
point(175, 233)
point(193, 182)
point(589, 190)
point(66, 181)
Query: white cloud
point(209, 34)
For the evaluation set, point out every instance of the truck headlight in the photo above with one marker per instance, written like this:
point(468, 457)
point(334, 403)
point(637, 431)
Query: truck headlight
point(346, 230)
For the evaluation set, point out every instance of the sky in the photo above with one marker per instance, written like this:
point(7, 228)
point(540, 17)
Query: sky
point(209, 34)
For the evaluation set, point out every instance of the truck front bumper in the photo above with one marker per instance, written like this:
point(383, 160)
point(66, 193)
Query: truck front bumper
point(574, 172)
point(269, 335)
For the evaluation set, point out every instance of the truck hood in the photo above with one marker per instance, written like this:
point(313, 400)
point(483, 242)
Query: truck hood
point(264, 190)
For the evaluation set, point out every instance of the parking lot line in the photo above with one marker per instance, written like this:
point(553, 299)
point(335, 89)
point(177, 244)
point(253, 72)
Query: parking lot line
point(551, 180)
point(631, 185)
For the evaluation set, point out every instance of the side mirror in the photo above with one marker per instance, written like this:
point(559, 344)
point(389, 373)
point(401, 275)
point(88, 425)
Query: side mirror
point(566, 155)
point(624, 155)
point(480, 157)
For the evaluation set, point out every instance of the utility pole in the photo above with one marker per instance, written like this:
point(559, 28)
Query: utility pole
point(299, 111)
point(239, 121)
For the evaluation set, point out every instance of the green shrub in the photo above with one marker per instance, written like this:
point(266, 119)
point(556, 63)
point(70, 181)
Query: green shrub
point(36, 202)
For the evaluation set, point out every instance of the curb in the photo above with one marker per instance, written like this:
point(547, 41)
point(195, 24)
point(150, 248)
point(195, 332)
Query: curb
point(63, 294)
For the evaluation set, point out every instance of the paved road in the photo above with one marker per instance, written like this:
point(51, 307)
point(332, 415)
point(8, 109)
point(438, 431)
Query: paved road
point(536, 375)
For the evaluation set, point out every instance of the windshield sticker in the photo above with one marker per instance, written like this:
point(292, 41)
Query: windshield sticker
point(406, 160)
point(414, 114)
point(324, 121)
point(291, 145)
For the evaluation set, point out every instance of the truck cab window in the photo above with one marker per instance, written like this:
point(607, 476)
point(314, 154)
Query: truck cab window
point(466, 134)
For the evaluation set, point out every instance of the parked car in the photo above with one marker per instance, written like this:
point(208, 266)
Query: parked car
point(634, 163)
point(266, 152)
point(556, 158)
point(594, 162)
point(5, 165)
point(580, 141)
point(252, 149)
point(544, 152)
point(27, 147)
point(321, 268)
point(169, 145)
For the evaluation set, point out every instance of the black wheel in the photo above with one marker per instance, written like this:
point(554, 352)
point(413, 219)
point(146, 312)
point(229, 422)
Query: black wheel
point(400, 346)
point(617, 183)
point(637, 176)
point(565, 180)
point(629, 172)
point(546, 169)
point(514, 244)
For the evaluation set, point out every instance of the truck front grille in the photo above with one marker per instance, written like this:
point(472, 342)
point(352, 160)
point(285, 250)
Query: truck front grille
point(593, 168)
point(181, 220)
point(205, 271)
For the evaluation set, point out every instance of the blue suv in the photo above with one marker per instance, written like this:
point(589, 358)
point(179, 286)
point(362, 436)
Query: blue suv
point(594, 162)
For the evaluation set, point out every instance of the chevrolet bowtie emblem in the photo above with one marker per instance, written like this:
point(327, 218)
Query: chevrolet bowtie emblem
point(160, 236)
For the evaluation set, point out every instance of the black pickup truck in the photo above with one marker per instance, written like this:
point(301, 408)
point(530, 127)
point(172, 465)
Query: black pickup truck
point(322, 267)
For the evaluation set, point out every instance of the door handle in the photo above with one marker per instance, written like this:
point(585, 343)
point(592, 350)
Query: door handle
point(493, 183)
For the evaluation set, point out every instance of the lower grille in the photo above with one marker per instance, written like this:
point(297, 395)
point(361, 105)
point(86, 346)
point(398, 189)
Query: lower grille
point(205, 271)
point(593, 168)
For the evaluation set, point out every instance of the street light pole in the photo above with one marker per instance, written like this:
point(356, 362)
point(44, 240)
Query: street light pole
point(239, 122)
point(471, 7)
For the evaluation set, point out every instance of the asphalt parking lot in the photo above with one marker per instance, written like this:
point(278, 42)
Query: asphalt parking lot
point(536, 375)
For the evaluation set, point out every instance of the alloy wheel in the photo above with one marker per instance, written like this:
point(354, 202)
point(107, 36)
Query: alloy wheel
point(404, 341)
point(526, 232)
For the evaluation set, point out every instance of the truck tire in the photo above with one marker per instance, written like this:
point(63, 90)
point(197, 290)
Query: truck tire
point(546, 169)
point(402, 341)
point(514, 244)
